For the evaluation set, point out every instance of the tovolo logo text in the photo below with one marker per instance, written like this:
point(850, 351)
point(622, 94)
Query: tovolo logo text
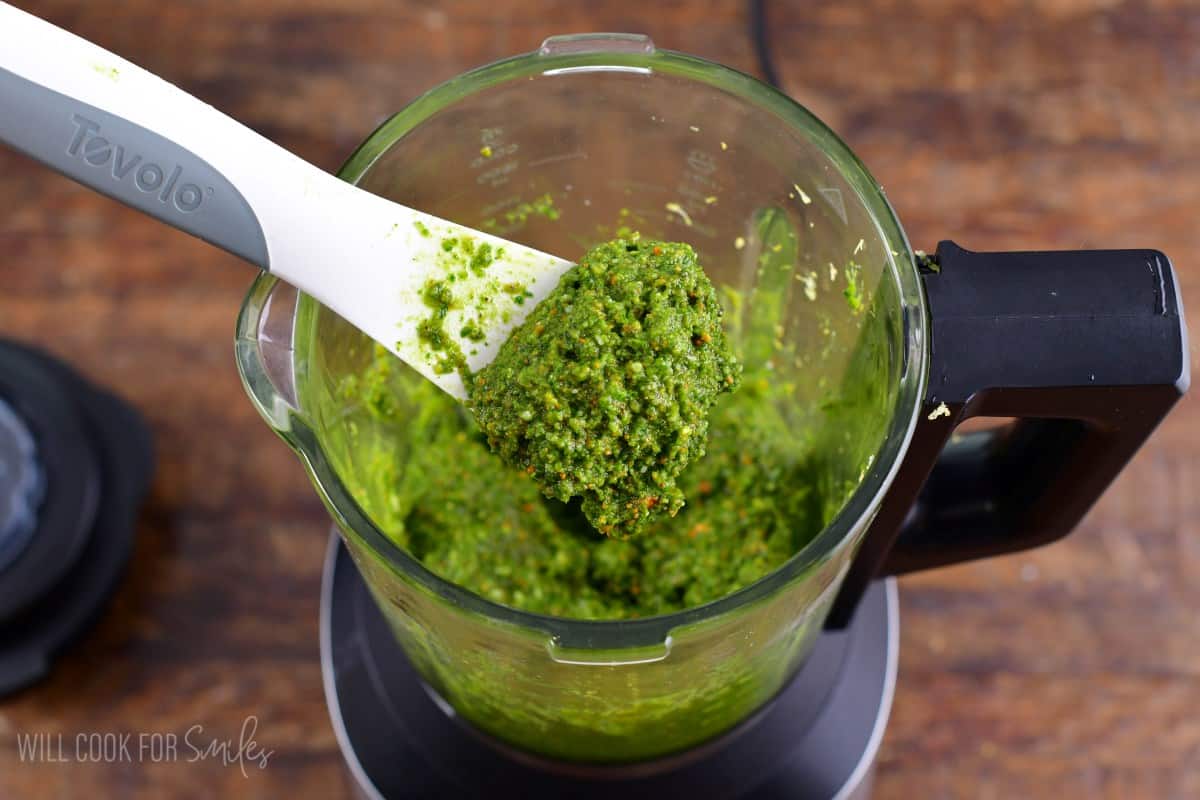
point(125, 165)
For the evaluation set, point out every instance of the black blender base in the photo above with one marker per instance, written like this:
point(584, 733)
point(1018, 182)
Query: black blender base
point(821, 732)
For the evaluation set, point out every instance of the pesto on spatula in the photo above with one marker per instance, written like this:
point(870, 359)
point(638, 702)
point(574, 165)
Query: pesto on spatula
point(604, 391)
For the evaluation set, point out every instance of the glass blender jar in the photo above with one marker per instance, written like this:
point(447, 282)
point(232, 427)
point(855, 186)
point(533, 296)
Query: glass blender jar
point(882, 354)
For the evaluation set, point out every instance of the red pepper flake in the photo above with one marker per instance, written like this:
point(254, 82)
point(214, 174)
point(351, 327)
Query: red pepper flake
point(657, 250)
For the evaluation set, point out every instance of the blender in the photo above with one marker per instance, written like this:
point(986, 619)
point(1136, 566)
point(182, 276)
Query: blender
point(783, 687)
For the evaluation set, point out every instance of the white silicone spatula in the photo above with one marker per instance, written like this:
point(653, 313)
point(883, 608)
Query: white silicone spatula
point(131, 135)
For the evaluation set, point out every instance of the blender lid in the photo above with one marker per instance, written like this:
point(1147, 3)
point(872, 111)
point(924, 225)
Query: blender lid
point(75, 463)
point(817, 739)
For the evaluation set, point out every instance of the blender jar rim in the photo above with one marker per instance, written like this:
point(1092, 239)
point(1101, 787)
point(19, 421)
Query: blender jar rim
point(594, 52)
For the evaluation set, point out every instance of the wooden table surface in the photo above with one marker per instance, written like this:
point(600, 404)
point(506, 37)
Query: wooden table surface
point(1072, 671)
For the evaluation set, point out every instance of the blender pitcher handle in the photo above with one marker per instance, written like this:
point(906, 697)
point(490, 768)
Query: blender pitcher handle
point(1087, 349)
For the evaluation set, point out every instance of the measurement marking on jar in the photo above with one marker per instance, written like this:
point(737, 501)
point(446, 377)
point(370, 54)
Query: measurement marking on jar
point(498, 176)
point(699, 190)
point(638, 186)
point(500, 205)
point(555, 159)
point(490, 155)
point(496, 153)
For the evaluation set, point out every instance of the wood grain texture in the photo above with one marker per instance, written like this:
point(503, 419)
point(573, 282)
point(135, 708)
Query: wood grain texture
point(1073, 671)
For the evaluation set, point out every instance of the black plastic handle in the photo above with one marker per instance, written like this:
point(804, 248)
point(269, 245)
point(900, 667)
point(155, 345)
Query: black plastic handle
point(1088, 349)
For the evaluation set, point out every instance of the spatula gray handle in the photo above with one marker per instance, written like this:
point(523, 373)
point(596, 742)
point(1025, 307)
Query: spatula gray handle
point(116, 128)
point(129, 163)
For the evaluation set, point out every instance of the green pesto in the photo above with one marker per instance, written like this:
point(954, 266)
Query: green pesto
point(472, 331)
point(854, 290)
point(486, 526)
point(439, 298)
point(604, 391)
point(518, 215)
point(463, 283)
point(482, 258)
point(762, 490)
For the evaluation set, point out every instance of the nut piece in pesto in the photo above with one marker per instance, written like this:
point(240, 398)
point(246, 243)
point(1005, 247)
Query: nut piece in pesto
point(604, 391)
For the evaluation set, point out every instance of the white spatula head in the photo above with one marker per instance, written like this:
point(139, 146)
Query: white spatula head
point(421, 279)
